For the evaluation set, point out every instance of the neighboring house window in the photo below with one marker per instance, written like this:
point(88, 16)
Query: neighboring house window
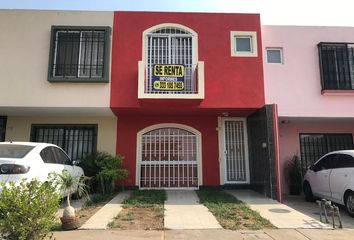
point(243, 44)
point(274, 55)
point(78, 141)
point(2, 128)
point(79, 54)
point(171, 44)
point(313, 146)
point(336, 66)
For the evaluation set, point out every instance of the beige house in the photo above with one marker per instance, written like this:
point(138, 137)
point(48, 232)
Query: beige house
point(55, 74)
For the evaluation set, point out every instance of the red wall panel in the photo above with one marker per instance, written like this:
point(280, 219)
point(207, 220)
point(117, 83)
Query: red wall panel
point(230, 82)
point(129, 126)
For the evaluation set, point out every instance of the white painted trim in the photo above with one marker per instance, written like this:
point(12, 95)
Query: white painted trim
point(169, 125)
point(143, 95)
point(221, 152)
point(223, 175)
point(252, 35)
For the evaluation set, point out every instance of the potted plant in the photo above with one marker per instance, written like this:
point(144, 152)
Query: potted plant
point(68, 185)
point(293, 174)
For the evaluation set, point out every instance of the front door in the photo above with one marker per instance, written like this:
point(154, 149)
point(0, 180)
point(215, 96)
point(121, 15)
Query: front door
point(235, 151)
point(169, 159)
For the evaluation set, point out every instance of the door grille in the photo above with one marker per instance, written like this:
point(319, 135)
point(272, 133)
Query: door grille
point(168, 159)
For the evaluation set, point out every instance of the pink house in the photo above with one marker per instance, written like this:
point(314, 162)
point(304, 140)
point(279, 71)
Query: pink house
point(309, 74)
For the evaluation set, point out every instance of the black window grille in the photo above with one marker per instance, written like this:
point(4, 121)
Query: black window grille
point(314, 146)
point(2, 128)
point(78, 141)
point(79, 54)
point(337, 66)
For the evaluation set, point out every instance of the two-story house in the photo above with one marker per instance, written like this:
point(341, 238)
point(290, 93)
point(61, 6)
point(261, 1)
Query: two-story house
point(309, 74)
point(188, 92)
point(55, 79)
point(180, 95)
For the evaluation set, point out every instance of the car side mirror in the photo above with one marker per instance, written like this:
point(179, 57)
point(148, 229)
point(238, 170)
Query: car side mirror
point(313, 168)
point(75, 163)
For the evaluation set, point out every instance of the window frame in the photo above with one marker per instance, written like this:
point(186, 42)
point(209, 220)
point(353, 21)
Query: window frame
point(281, 55)
point(323, 147)
point(244, 34)
point(94, 128)
point(106, 54)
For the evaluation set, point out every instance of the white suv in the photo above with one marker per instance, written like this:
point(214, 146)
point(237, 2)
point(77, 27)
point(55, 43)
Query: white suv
point(31, 160)
point(332, 178)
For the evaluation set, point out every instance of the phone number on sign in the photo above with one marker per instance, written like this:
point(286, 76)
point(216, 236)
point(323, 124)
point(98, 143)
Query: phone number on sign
point(164, 85)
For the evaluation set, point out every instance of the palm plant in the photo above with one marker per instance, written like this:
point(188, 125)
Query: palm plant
point(68, 184)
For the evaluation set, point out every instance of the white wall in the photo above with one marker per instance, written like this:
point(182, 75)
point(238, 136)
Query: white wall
point(19, 128)
point(24, 55)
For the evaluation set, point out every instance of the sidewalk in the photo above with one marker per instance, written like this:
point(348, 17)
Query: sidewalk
point(280, 215)
point(183, 211)
point(105, 215)
point(274, 234)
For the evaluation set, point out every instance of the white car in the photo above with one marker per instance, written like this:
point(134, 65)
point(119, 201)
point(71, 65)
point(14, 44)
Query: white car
point(19, 160)
point(332, 178)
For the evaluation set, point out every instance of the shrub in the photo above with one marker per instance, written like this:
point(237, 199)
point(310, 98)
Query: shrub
point(104, 169)
point(27, 210)
point(111, 169)
point(293, 174)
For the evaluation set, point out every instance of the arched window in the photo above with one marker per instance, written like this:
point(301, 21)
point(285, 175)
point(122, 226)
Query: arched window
point(171, 44)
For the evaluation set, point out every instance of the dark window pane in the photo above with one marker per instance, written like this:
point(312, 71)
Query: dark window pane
point(77, 141)
point(61, 157)
point(14, 151)
point(344, 161)
point(243, 44)
point(67, 53)
point(336, 62)
point(314, 146)
point(79, 53)
point(47, 155)
point(274, 56)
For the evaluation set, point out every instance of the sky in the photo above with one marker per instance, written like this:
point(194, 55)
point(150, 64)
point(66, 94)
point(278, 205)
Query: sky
point(273, 12)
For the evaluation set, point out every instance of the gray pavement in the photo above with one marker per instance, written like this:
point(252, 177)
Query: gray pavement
point(280, 215)
point(183, 211)
point(311, 209)
point(273, 234)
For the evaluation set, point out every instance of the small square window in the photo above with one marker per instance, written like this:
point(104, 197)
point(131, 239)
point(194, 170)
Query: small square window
point(243, 44)
point(274, 55)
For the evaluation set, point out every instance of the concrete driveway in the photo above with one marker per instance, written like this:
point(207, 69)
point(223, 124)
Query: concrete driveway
point(311, 209)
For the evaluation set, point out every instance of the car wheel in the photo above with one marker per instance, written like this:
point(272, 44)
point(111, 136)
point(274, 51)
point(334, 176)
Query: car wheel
point(308, 192)
point(349, 203)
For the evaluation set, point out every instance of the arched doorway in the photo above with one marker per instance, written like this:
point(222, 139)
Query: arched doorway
point(168, 157)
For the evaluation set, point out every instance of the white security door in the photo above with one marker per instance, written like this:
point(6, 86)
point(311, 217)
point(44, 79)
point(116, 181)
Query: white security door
point(235, 150)
point(168, 159)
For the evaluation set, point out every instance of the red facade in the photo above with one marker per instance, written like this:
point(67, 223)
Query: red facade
point(232, 84)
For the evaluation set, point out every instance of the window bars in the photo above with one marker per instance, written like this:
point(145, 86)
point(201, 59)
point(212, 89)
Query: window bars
point(337, 66)
point(77, 140)
point(168, 159)
point(235, 151)
point(79, 53)
point(171, 45)
point(313, 146)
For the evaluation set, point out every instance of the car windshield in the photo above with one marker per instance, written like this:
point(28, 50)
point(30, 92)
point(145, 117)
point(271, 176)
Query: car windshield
point(14, 151)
